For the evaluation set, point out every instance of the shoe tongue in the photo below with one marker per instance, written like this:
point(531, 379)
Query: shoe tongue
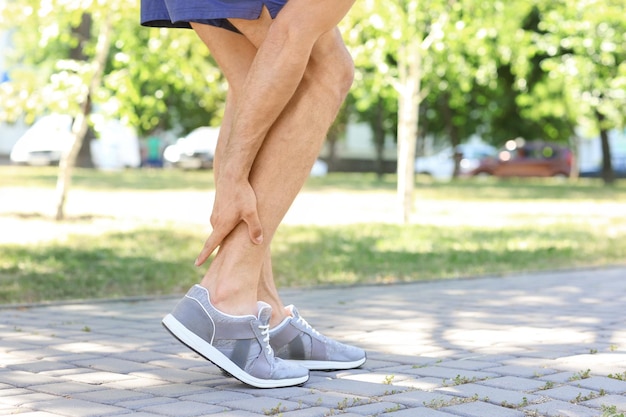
point(265, 312)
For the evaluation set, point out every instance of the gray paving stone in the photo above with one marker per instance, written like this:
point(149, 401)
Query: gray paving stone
point(216, 397)
point(75, 408)
point(97, 377)
point(366, 389)
point(521, 371)
point(333, 400)
point(418, 398)
point(172, 390)
point(309, 412)
point(63, 388)
point(265, 405)
point(184, 409)
point(40, 366)
point(21, 379)
point(23, 413)
point(10, 392)
point(375, 408)
point(481, 409)
point(424, 384)
point(449, 375)
point(561, 408)
point(134, 383)
point(418, 412)
point(559, 377)
point(175, 375)
point(19, 400)
point(470, 365)
point(120, 366)
point(145, 402)
point(491, 395)
point(111, 396)
point(618, 401)
point(569, 393)
point(609, 385)
point(514, 383)
point(128, 365)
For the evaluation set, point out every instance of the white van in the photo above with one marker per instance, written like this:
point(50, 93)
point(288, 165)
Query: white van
point(46, 140)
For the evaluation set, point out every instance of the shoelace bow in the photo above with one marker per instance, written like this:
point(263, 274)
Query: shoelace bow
point(265, 331)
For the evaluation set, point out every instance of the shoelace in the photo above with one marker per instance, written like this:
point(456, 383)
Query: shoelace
point(265, 331)
point(308, 326)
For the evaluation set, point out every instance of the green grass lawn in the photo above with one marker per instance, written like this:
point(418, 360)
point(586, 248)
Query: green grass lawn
point(469, 228)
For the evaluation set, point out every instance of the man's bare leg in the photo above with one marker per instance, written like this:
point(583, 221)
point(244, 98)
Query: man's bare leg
point(281, 166)
point(284, 49)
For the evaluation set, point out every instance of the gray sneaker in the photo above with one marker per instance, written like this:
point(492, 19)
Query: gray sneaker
point(239, 345)
point(295, 340)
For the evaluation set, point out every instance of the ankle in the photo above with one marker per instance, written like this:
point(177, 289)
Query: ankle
point(232, 302)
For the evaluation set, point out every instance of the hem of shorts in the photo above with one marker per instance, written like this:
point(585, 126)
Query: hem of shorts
point(184, 16)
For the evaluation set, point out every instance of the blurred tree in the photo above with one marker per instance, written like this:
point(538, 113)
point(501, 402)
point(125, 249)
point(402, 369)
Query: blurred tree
point(390, 40)
point(440, 49)
point(74, 56)
point(584, 48)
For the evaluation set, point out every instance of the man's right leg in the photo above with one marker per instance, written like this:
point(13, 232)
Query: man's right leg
point(294, 338)
point(283, 162)
point(281, 167)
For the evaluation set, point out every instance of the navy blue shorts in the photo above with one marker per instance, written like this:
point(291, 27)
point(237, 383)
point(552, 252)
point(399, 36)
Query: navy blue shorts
point(178, 13)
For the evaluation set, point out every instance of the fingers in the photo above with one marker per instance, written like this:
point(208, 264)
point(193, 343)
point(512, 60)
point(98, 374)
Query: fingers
point(255, 231)
point(212, 242)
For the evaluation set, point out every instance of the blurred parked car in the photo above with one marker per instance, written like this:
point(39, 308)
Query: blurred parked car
point(528, 159)
point(441, 164)
point(197, 151)
point(194, 151)
point(44, 142)
point(319, 169)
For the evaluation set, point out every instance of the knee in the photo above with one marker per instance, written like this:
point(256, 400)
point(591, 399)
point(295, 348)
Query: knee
point(332, 67)
point(345, 73)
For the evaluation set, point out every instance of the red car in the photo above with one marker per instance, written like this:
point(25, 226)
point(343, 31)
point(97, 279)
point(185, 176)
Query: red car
point(528, 159)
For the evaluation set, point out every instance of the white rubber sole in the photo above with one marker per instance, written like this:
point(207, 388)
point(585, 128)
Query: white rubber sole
point(197, 344)
point(329, 365)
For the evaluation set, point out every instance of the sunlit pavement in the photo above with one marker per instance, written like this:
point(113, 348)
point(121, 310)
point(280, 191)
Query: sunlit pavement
point(550, 344)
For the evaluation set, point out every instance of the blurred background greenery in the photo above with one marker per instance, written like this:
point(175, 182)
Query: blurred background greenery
point(429, 75)
point(495, 69)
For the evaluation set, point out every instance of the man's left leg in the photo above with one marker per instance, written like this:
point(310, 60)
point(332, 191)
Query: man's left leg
point(295, 138)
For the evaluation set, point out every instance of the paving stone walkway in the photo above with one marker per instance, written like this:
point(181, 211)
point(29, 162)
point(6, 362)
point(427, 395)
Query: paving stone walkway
point(549, 344)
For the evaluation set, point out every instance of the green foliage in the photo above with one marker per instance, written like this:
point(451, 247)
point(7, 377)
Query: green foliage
point(583, 42)
point(502, 69)
point(154, 79)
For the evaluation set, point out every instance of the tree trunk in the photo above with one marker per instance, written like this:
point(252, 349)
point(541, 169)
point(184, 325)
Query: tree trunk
point(608, 175)
point(409, 68)
point(453, 134)
point(80, 125)
point(379, 138)
point(575, 169)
